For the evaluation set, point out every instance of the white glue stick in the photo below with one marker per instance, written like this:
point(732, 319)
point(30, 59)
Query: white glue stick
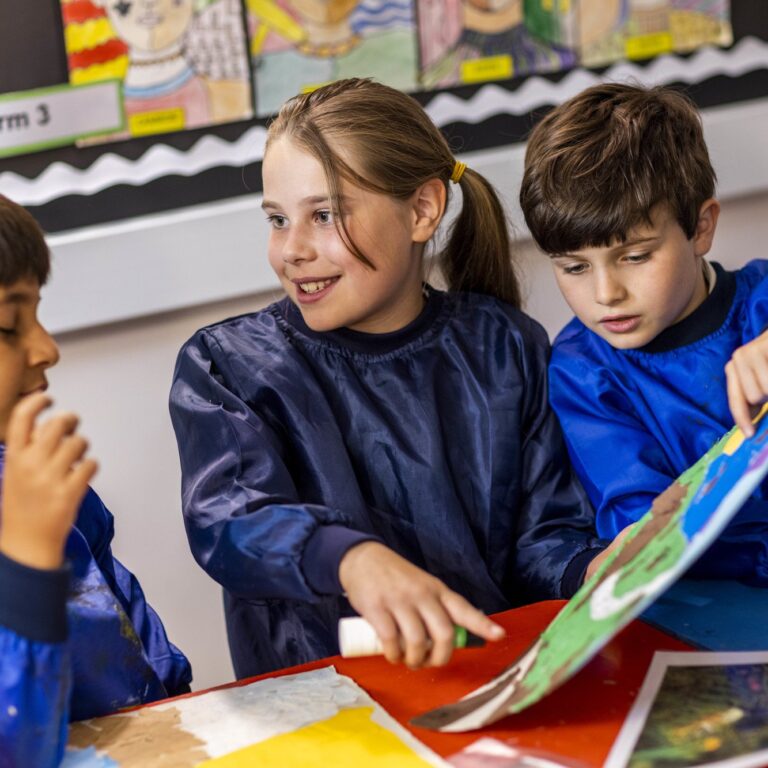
point(358, 638)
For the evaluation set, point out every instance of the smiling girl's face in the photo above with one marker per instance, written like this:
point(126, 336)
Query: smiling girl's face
point(322, 276)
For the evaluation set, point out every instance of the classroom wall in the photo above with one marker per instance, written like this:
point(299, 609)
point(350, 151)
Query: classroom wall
point(117, 377)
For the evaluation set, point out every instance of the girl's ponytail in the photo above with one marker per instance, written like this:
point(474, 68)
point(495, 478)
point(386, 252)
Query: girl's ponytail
point(478, 255)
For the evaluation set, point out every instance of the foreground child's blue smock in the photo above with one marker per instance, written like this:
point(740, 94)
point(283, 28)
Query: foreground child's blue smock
point(76, 642)
point(436, 440)
point(636, 419)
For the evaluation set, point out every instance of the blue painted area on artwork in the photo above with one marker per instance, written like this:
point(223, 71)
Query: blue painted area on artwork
point(722, 475)
point(86, 758)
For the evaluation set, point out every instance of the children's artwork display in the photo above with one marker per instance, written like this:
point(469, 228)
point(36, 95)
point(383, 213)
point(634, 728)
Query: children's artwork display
point(602, 31)
point(469, 41)
point(698, 709)
point(682, 522)
point(181, 63)
point(317, 718)
point(300, 44)
point(466, 41)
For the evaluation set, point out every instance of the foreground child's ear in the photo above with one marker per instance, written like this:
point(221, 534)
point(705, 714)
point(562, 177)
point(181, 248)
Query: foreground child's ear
point(428, 203)
point(706, 226)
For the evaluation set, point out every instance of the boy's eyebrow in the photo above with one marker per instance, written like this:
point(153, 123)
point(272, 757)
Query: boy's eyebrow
point(619, 246)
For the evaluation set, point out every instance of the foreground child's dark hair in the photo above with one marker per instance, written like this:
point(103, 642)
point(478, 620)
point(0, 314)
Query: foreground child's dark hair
point(23, 251)
point(597, 165)
point(395, 148)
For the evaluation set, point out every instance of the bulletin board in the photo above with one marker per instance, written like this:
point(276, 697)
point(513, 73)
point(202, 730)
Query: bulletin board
point(123, 176)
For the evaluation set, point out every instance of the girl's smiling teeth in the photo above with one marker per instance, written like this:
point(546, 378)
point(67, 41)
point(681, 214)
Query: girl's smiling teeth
point(313, 286)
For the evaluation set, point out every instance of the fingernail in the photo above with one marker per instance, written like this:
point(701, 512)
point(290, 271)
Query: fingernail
point(497, 631)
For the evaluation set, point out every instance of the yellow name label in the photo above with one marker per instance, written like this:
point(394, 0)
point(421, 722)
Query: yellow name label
point(489, 68)
point(645, 46)
point(313, 86)
point(160, 121)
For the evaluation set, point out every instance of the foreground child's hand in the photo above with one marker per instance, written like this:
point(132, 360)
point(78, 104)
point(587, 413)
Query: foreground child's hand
point(597, 561)
point(45, 480)
point(412, 612)
point(747, 376)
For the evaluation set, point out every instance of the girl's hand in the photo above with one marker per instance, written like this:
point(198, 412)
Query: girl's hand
point(747, 376)
point(412, 612)
point(45, 480)
point(598, 560)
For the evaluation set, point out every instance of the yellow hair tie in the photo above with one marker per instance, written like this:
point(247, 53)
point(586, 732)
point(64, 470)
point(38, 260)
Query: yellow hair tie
point(458, 171)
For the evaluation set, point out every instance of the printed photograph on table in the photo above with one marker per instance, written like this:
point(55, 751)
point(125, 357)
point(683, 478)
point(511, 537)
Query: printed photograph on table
point(682, 523)
point(298, 45)
point(603, 31)
point(472, 41)
point(698, 709)
point(182, 63)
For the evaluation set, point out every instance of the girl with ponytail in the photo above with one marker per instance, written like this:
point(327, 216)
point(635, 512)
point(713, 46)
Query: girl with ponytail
point(370, 444)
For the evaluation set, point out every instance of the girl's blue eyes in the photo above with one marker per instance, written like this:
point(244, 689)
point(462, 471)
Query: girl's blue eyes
point(322, 217)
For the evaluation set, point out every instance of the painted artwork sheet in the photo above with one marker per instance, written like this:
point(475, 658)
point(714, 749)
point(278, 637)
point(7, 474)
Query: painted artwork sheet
point(603, 31)
point(471, 41)
point(696, 710)
point(314, 719)
point(181, 63)
point(682, 522)
point(298, 45)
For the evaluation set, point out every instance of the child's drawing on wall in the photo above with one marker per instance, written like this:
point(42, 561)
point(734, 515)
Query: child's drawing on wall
point(300, 44)
point(183, 63)
point(479, 40)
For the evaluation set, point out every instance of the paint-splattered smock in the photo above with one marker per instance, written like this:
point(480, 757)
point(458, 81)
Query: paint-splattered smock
point(76, 642)
point(436, 440)
point(636, 419)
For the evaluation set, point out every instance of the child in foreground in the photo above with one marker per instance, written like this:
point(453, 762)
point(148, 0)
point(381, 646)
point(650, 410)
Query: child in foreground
point(77, 638)
point(666, 349)
point(370, 444)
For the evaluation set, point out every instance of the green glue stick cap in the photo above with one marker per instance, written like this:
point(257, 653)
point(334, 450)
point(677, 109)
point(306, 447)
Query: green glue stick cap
point(358, 638)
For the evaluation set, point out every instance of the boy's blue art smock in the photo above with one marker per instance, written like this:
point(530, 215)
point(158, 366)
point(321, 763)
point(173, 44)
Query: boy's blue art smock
point(436, 440)
point(75, 643)
point(635, 419)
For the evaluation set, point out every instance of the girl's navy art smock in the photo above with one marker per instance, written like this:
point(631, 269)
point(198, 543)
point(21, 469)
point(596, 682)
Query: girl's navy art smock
point(635, 419)
point(436, 440)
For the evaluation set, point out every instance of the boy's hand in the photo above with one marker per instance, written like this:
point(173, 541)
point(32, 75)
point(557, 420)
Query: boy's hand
point(45, 480)
point(747, 376)
point(412, 612)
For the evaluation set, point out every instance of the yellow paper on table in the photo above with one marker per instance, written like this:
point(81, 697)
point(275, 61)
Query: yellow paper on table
point(349, 739)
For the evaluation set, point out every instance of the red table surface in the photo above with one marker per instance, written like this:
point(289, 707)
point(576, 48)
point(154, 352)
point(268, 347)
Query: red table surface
point(579, 720)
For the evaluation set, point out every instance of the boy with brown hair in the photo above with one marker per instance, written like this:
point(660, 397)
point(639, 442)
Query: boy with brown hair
point(77, 638)
point(666, 349)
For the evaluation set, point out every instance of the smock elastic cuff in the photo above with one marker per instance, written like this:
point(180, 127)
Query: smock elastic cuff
point(323, 553)
point(33, 602)
point(573, 577)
